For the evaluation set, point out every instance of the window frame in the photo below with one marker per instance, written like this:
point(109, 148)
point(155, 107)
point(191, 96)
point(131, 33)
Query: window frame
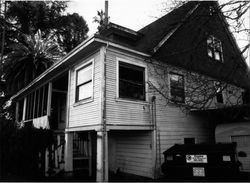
point(136, 64)
point(169, 79)
point(215, 50)
point(87, 64)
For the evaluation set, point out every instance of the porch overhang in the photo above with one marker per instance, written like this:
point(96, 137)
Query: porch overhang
point(83, 50)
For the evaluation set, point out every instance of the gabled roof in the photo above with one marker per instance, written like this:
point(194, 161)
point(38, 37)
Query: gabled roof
point(164, 27)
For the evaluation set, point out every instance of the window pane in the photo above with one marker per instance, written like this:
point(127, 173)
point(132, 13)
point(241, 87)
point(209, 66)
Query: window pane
point(131, 90)
point(210, 53)
point(209, 41)
point(84, 75)
point(85, 91)
point(131, 81)
point(176, 81)
point(131, 73)
point(177, 88)
point(217, 55)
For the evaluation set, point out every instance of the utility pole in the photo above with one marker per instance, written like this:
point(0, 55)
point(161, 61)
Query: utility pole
point(106, 14)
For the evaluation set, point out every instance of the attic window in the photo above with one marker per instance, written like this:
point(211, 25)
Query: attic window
point(131, 81)
point(214, 49)
point(177, 88)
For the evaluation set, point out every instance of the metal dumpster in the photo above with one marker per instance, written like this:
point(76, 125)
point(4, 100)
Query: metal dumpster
point(201, 161)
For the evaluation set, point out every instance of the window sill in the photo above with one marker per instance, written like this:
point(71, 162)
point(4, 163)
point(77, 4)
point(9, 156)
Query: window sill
point(84, 101)
point(132, 101)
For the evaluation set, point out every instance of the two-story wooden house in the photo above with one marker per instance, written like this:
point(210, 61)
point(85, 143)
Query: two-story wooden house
point(121, 97)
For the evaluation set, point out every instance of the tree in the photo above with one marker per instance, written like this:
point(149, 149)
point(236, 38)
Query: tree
point(72, 30)
point(29, 16)
point(19, 23)
point(29, 59)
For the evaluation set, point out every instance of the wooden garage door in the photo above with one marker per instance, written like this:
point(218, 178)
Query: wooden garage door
point(243, 144)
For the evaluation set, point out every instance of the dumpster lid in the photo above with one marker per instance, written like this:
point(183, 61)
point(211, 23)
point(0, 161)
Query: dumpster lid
point(201, 148)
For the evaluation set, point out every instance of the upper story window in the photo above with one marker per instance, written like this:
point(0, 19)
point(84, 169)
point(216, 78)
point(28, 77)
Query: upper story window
point(177, 88)
point(131, 81)
point(214, 49)
point(84, 82)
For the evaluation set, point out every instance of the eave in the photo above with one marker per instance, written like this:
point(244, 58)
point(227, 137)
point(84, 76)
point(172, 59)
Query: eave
point(90, 45)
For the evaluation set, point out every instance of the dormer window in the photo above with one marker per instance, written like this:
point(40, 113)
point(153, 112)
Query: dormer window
point(214, 49)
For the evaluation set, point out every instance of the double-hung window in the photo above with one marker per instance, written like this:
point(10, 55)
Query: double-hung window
point(84, 83)
point(131, 81)
point(214, 49)
point(177, 88)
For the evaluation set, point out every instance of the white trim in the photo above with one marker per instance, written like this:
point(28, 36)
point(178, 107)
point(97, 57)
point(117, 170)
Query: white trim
point(68, 99)
point(24, 107)
point(49, 99)
point(76, 69)
point(144, 65)
point(141, 102)
point(122, 47)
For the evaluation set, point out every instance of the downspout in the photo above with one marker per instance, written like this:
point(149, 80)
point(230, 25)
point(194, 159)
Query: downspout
point(154, 135)
point(105, 144)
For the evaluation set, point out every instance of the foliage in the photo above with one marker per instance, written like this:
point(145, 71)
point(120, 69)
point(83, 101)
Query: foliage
point(72, 30)
point(30, 58)
point(101, 20)
point(20, 148)
point(29, 33)
point(27, 17)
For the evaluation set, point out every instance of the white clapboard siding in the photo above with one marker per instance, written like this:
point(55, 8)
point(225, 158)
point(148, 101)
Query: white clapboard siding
point(122, 112)
point(174, 125)
point(132, 152)
point(86, 113)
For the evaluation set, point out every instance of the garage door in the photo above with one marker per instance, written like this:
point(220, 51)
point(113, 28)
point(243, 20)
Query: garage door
point(243, 144)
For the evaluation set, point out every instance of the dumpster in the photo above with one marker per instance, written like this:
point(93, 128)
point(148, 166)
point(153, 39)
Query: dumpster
point(201, 161)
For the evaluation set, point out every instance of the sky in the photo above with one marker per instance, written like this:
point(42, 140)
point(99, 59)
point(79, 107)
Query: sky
point(133, 14)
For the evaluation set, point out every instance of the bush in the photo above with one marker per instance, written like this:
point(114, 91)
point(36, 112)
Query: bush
point(20, 151)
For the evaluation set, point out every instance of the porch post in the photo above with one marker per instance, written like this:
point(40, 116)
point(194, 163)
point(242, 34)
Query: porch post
point(24, 108)
point(99, 157)
point(102, 157)
point(68, 158)
point(49, 99)
point(17, 112)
